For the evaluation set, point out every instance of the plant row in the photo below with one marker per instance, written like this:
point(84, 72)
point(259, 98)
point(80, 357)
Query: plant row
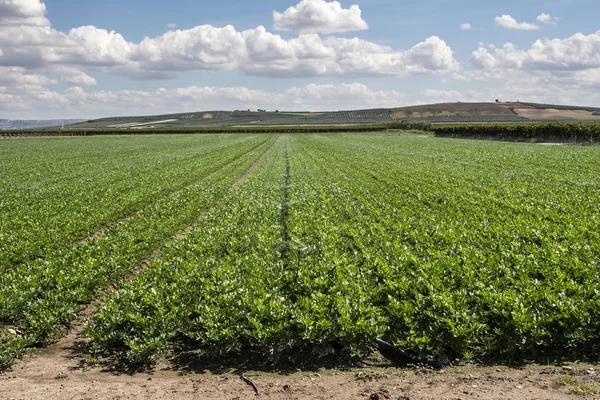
point(38, 298)
point(205, 130)
point(81, 187)
point(451, 249)
point(563, 132)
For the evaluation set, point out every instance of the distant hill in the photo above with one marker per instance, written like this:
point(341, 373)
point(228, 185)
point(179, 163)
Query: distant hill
point(434, 113)
point(36, 123)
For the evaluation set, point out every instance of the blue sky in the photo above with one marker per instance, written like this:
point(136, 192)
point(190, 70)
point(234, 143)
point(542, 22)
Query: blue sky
point(83, 59)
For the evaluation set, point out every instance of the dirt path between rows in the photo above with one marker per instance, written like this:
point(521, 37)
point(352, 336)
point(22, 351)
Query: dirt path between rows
point(252, 168)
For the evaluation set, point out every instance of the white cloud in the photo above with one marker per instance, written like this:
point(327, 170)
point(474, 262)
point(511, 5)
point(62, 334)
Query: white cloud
point(577, 52)
point(589, 78)
point(13, 76)
point(319, 16)
point(35, 101)
point(507, 21)
point(171, 26)
point(309, 55)
point(465, 27)
point(209, 48)
point(553, 71)
point(547, 19)
point(337, 96)
point(200, 48)
point(23, 12)
point(76, 77)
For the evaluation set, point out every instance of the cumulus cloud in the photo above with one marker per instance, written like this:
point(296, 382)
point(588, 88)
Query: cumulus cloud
point(200, 48)
point(319, 16)
point(334, 96)
point(507, 21)
point(23, 12)
point(577, 52)
point(465, 27)
point(76, 77)
point(40, 102)
point(546, 19)
point(552, 70)
point(520, 85)
point(208, 48)
point(310, 55)
point(13, 76)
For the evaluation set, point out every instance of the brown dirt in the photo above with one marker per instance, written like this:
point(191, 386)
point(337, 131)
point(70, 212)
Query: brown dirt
point(551, 113)
point(59, 373)
point(452, 109)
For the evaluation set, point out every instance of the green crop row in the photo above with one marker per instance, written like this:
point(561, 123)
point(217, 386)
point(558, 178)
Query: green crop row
point(563, 132)
point(46, 205)
point(375, 127)
point(452, 249)
point(39, 296)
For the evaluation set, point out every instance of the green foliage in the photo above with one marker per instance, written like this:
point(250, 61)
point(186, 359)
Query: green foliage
point(408, 125)
point(562, 132)
point(159, 129)
point(40, 293)
point(452, 249)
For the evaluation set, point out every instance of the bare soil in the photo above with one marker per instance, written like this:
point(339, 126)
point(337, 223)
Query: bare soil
point(452, 109)
point(58, 372)
point(551, 113)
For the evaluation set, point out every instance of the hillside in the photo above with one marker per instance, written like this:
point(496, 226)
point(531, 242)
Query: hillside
point(435, 113)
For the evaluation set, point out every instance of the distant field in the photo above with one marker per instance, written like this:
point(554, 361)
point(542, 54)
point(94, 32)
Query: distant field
point(270, 246)
point(554, 114)
point(433, 113)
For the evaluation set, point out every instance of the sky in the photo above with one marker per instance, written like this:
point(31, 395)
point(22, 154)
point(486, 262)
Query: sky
point(91, 59)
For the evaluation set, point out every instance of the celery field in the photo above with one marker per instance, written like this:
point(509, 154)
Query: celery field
point(275, 245)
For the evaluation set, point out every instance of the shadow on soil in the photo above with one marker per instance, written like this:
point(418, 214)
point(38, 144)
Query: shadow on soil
point(197, 361)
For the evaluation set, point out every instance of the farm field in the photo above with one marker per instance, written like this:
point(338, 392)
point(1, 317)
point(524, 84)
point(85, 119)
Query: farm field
point(278, 249)
point(504, 112)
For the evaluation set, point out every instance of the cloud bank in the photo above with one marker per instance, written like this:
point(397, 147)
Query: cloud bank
point(27, 40)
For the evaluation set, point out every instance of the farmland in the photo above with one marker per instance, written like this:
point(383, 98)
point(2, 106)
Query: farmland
point(503, 112)
point(279, 245)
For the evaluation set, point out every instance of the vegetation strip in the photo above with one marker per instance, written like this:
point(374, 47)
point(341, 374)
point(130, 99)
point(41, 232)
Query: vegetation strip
point(43, 214)
point(41, 313)
point(576, 133)
point(416, 275)
point(77, 326)
point(251, 169)
point(446, 249)
point(102, 231)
